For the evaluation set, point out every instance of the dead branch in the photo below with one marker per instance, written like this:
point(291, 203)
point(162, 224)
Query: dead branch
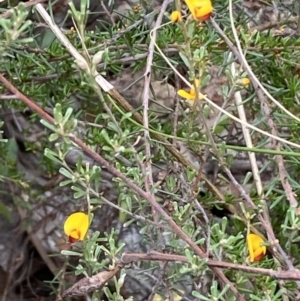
point(89, 284)
point(157, 256)
point(27, 4)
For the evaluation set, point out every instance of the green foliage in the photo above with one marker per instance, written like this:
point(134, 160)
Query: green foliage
point(45, 72)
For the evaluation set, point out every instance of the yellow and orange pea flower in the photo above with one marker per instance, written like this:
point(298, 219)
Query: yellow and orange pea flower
point(256, 250)
point(76, 226)
point(190, 97)
point(200, 9)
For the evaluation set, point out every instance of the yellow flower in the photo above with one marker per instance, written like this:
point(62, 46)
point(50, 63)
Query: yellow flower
point(191, 96)
point(176, 16)
point(245, 81)
point(76, 226)
point(200, 9)
point(256, 250)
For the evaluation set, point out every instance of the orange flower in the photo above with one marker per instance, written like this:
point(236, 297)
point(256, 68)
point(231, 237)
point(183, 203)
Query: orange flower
point(191, 96)
point(76, 226)
point(176, 16)
point(256, 250)
point(200, 9)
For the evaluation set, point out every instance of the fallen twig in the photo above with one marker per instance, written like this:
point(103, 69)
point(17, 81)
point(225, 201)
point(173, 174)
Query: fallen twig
point(89, 284)
point(27, 4)
point(157, 256)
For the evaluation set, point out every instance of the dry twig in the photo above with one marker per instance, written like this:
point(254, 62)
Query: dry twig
point(157, 256)
point(27, 4)
point(89, 284)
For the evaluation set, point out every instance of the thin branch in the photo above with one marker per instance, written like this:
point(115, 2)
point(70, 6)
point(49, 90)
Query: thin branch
point(89, 284)
point(96, 282)
point(27, 4)
point(146, 93)
point(157, 256)
point(246, 133)
point(272, 24)
point(279, 159)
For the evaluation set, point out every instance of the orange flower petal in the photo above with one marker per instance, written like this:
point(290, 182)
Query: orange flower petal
point(204, 18)
point(200, 9)
point(74, 236)
point(204, 11)
point(258, 254)
point(76, 226)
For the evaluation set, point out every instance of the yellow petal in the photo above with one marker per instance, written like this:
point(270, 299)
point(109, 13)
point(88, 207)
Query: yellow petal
point(256, 250)
point(200, 9)
point(204, 11)
point(201, 96)
point(197, 85)
point(197, 82)
point(186, 95)
point(259, 253)
point(245, 81)
point(176, 16)
point(76, 226)
point(250, 247)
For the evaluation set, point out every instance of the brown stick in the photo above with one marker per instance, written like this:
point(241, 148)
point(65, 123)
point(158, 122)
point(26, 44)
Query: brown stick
point(157, 256)
point(89, 284)
point(8, 13)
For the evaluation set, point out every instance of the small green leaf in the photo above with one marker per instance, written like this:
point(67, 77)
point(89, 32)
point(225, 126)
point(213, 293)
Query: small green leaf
point(48, 125)
point(65, 173)
point(184, 59)
point(65, 183)
point(67, 116)
point(52, 155)
point(53, 137)
point(70, 253)
point(199, 296)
